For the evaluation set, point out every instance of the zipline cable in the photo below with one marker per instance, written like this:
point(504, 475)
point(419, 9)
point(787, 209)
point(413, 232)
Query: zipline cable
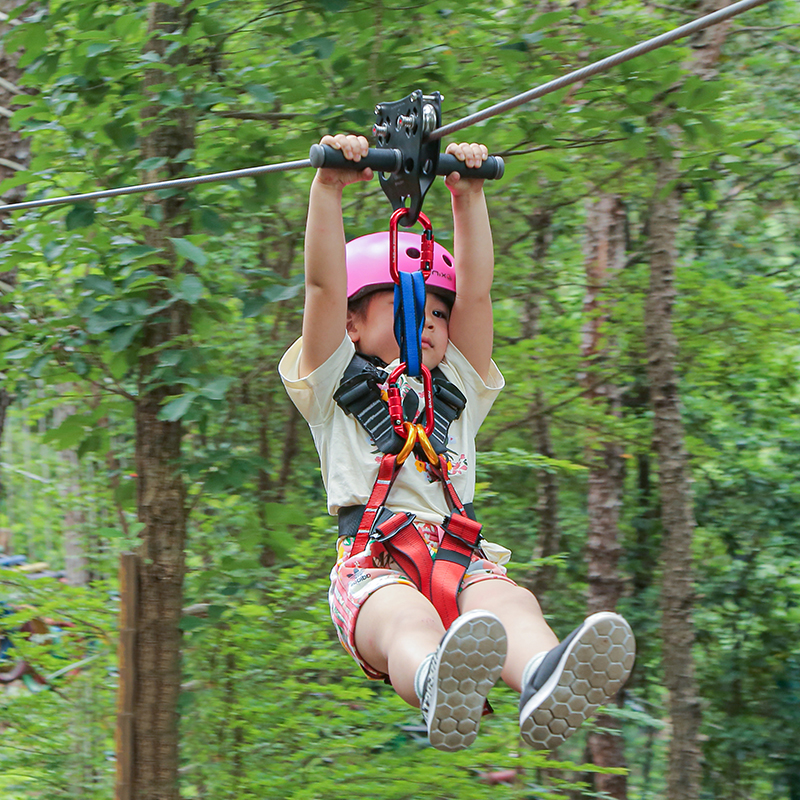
point(438, 133)
point(599, 66)
point(177, 183)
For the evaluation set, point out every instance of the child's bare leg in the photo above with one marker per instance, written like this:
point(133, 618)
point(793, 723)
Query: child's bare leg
point(521, 615)
point(397, 627)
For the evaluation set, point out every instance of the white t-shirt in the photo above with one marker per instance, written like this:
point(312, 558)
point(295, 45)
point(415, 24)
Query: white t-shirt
point(349, 459)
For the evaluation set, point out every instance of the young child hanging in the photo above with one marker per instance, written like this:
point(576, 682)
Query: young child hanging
point(417, 595)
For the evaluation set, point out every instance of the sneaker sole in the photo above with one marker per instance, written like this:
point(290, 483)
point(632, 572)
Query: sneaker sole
point(591, 671)
point(473, 652)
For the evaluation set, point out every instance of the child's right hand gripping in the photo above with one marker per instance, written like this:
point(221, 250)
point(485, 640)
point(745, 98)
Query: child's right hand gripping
point(353, 148)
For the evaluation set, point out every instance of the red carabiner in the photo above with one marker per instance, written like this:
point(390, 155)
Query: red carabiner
point(426, 245)
point(396, 403)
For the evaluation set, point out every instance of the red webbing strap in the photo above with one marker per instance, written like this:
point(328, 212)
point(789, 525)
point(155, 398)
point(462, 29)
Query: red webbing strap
point(387, 472)
point(452, 559)
point(443, 473)
point(409, 550)
point(438, 579)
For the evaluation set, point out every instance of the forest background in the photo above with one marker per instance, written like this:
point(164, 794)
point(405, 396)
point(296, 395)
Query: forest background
point(642, 455)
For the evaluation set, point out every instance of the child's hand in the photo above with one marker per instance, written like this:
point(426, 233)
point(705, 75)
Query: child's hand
point(473, 155)
point(353, 149)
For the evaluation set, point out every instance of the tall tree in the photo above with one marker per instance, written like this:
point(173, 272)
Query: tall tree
point(604, 260)
point(161, 494)
point(549, 536)
point(677, 515)
point(14, 157)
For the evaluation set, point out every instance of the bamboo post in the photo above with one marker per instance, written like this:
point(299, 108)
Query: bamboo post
point(128, 584)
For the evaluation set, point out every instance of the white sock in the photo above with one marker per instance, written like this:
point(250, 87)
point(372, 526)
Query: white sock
point(421, 674)
point(532, 666)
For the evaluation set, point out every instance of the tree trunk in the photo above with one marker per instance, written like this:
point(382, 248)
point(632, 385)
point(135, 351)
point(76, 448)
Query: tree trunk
point(604, 259)
point(14, 156)
point(161, 495)
point(548, 540)
point(677, 590)
point(677, 514)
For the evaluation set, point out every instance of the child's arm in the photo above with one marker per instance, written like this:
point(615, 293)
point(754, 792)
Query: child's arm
point(325, 310)
point(471, 328)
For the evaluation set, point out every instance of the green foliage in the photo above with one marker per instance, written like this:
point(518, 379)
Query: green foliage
point(55, 740)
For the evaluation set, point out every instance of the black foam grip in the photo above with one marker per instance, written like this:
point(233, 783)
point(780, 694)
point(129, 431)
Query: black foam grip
point(388, 160)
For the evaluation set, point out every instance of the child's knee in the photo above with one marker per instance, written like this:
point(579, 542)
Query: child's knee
point(499, 594)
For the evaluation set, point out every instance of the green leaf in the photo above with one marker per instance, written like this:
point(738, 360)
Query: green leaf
point(191, 252)
point(305, 616)
point(122, 337)
point(81, 216)
point(215, 390)
point(191, 623)
point(178, 407)
point(38, 366)
point(170, 358)
point(260, 93)
point(212, 221)
point(275, 294)
point(97, 48)
point(68, 434)
point(151, 163)
point(192, 289)
point(123, 136)
point(253, 305)
point(19, 353)
point(135, 252)
point(321, 46)
point(98, 284)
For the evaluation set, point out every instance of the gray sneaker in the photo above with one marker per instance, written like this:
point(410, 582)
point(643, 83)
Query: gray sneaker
point(463, 670)
point(583, 672)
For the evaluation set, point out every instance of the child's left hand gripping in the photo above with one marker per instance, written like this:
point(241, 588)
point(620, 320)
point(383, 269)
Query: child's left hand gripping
point(473, 155)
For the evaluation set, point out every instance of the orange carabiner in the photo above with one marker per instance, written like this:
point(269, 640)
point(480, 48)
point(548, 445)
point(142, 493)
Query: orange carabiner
point(427, 447)
point(411, 439)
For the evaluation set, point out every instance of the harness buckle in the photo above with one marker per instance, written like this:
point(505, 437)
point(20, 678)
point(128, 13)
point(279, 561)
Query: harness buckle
point(389, 523)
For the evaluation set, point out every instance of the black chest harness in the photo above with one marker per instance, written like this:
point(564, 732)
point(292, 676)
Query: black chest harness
point(359, 394)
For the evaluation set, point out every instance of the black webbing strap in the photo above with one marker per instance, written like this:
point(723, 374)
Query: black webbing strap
point(359, 395)
point(350, 517)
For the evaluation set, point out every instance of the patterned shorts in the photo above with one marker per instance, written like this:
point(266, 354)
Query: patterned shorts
point(355, 577)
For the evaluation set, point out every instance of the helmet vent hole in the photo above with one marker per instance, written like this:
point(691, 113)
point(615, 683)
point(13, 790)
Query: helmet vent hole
point(412, 252)
point(447, 260)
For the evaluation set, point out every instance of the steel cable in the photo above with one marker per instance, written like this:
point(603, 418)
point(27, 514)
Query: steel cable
point(177, 183)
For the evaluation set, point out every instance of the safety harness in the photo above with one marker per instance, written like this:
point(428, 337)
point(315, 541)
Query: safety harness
point(393, 424)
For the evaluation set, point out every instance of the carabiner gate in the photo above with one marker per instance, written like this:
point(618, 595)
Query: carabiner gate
point(425, 249)
point(396, 403)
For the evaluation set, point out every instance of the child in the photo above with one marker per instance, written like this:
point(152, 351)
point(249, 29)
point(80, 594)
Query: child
point(389, 626)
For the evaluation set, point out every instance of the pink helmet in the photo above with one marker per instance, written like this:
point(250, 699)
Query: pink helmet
point(368, 265)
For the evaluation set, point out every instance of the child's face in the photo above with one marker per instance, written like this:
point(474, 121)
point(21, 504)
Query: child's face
point(373, 331)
